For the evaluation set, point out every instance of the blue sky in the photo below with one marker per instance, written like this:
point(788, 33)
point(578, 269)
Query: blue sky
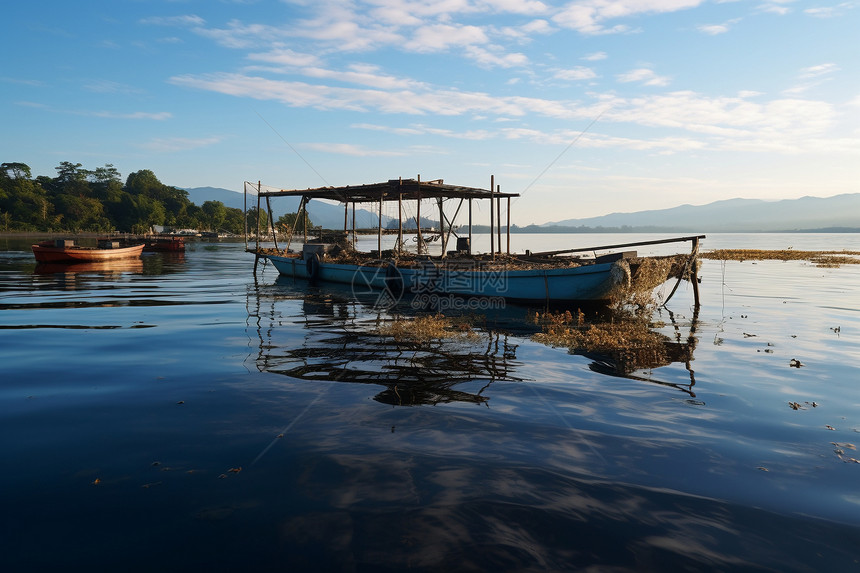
point(586, 107)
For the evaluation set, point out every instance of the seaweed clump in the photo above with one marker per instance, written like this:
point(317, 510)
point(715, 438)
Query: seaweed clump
point(829, 259)
point(424, 329)
point(635, 291)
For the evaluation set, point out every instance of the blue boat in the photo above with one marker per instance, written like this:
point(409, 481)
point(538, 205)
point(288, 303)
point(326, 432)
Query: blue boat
point(552, 277)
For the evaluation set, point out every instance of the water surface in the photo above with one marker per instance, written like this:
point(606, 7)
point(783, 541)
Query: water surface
point(177, 412)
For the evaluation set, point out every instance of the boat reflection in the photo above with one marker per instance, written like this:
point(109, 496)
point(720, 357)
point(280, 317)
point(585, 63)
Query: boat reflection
point(342, 341)
point(114, 267)
point(342, 338)
point(641, 364)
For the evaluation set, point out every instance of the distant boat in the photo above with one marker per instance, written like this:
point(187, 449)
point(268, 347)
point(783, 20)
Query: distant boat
point(170, 244)
point(65, 250)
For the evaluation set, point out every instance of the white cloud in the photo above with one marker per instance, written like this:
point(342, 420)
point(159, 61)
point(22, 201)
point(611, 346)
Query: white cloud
point(177, 144)
point(441, 37)
point(350, 149)
point(575, 74)
point(111, 87)
point(418, 129)
point(830, 11)
point(157, 116)
point(285, 57)
point(644, 76)
point(713, 29)
point(812, 77)
point(186, 20)
point(590, 16)
point(595, 57)
point(425, 100)
point(818, 71)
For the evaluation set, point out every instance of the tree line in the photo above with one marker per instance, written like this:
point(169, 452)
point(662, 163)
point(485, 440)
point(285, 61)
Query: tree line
point(78, 199)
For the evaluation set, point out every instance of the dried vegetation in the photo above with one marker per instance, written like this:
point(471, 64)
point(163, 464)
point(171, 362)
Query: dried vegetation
point(830, 259)
point(629, 341)
point(424, 329)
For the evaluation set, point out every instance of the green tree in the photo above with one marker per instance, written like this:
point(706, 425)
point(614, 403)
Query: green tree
point(256, 216)
point(71, 179)
point(290, 222)
point(143, 182)
point(82, 213)
point(24, 203)
point(216, 214)
point(235, 221)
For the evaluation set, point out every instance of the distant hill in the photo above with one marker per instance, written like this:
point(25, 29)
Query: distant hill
point(738, 215)
point(328, 215)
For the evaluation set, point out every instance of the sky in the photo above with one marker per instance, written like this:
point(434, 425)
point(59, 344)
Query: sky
point(584, 107)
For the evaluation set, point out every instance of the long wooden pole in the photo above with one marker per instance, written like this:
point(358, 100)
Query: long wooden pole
point(499, 218)
point(399, 221)
point(604, 247)
point(470, 225)
point(509, 225)
point(258, 221)
point(442, 228)
point(492, 230)
point(379, 229)
point(271, 222)
point(694, 271)
point(418, 219)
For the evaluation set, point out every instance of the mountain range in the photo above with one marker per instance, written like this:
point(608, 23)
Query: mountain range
point(738, 215)
point(322, 213)
point(728, 216)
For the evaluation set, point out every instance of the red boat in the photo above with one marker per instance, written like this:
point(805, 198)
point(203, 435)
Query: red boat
point(66, 251)
point(165, 244)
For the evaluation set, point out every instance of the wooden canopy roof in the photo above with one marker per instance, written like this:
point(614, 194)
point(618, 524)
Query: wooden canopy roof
point(407, 189)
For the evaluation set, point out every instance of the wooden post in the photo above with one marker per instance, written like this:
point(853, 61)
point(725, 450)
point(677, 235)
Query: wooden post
point(442, 229)
point(399, 215)
point(470, 225)
point(258, 222)
point(379, 228)
point(354, 232)
point(492, 230)
point(418, 219)
point(399, 221)
point(272, 222)
point(509, 225)
point(694, 271)
point(305, 221)
point(499, 218)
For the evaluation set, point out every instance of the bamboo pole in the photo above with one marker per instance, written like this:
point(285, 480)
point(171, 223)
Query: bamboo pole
point(354, 232)
point(499, 217)
point(304, 221)
point(509, 225)
point(418, 219)
point(492, 230)
point(399, 221)
point(442, 228)
point(379, 228)
point(272, 222)
point(694, 272)
point(470, 225)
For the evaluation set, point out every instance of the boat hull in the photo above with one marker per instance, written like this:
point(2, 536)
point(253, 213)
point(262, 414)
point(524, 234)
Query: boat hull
point(595, 282)
point(165, 245)
point(53, 254)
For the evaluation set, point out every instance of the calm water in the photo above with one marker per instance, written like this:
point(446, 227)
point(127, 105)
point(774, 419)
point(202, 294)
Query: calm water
point(176, 414)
